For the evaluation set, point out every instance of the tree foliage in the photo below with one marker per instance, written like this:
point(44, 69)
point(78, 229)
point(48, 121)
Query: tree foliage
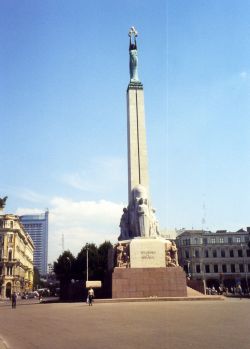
point(69, 269)
point(64, 267)
point(36, 278)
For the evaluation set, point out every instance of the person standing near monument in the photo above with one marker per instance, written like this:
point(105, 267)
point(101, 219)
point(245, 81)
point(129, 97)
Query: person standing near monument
point(91, 296)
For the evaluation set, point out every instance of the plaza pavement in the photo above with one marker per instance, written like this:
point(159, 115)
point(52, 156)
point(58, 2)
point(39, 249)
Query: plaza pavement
point(143, 325)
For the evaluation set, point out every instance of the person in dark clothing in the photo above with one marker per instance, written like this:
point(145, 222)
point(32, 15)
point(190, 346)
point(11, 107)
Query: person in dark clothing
point(13, 299)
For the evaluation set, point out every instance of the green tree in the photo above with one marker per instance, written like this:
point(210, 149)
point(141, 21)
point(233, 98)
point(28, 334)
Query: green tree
point(68, 267)
point(36, 278)
point(64, 269)
point(103, 251)
point(103, 272)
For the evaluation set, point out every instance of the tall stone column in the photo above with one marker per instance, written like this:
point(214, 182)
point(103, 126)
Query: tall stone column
point(137, 146)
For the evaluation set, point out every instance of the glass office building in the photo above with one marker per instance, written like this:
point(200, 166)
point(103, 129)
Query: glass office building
point(37, 227)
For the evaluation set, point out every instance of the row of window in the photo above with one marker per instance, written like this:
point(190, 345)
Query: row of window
point(225, 268)
point(214, 240)
point(6, 224)
point(33, 225)
point(216, 253)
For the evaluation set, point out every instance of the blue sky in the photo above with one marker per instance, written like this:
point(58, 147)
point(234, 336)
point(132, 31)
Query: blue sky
point(64, 73)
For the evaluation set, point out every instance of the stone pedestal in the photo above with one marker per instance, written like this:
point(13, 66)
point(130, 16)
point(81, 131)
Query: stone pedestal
point(148, 282)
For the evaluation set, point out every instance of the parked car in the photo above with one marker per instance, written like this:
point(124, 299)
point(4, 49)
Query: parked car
point(29, 295)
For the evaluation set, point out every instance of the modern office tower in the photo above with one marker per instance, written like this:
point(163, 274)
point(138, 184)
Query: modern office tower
point(37, 227)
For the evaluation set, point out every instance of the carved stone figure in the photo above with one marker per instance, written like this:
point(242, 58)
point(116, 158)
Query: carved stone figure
point(154, 225)
point(171, 254)
point(124, 225)
point(3, 202)
point(139, 218)
point(122, 255)
point(143, 217)
point(169, 262)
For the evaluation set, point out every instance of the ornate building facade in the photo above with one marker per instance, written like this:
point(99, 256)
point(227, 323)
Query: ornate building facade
point(16, 257)
point(220, 258)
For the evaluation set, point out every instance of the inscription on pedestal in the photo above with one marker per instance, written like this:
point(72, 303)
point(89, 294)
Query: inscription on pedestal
point(147, 253)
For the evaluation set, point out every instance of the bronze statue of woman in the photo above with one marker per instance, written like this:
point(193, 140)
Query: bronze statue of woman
point(133, 58)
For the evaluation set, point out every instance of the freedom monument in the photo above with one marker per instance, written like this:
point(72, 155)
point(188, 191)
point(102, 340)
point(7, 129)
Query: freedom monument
point(145, 264)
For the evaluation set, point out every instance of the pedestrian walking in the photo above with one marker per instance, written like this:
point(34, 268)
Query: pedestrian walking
point(40, 297)
point(90, 296)
point(239, 291)
point(13, 300)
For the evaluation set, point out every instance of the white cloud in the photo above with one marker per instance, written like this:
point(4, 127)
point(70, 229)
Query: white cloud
point(79, 222)
point(244, 75)
point(99, 175)
point(25, 194)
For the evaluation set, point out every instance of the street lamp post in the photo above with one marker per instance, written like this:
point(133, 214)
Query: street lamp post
point(203, 275)
point(87, 257)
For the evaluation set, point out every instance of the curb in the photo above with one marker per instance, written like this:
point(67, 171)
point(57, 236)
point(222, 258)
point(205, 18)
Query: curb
point(161, 299)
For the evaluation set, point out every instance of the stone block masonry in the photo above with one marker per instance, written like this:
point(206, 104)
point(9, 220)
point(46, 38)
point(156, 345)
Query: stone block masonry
point(148, 282)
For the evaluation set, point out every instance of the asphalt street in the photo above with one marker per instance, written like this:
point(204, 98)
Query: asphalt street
point(147, 325)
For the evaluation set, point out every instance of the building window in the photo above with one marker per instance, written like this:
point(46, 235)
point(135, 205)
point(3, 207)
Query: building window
point(207, 268)
point(221, 240)
point(206, 253)
point(186, 242)
point(9, 271)
point(187, 253)
point(231, 253)
point(223, 253)
point(214, 253)
point(196, 241)
point(10, 255)
point(241, 267)
point(248, 253)
point(232, 268)
point(11, 224)
point(213, 241)
point(205, 241)
point(230, 240)
point(238, 240)
point(216, 268)
point(10, 238)
point(196, 253)
point(198, 268)
point(246, 239)
point(240, 253)
point(224, 268)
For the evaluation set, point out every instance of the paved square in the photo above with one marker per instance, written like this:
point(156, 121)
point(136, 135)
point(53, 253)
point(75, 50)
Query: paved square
point(146, 325)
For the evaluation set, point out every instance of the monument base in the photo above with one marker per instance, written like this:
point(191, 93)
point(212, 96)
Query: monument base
point(148, 282)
